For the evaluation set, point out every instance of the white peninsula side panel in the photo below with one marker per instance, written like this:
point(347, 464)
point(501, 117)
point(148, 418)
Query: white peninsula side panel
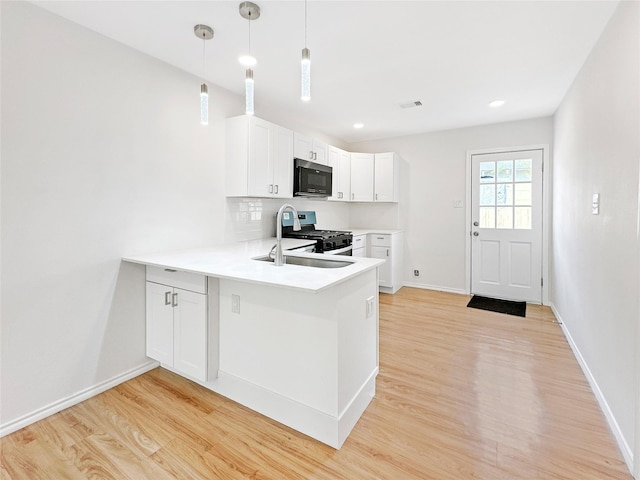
point(308, 360)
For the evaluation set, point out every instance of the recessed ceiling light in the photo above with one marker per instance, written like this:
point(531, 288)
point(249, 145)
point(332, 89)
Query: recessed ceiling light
point(248, 60)
point(496, 103)
point(358, 125)
point(415, 103)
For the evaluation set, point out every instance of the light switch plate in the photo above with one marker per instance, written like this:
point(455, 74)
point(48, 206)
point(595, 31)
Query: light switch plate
point(235, 303)
point(457, 204)
point(595, 204)
point(370, 306)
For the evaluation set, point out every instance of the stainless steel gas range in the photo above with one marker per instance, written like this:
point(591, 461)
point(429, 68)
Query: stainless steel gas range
point(331, 242)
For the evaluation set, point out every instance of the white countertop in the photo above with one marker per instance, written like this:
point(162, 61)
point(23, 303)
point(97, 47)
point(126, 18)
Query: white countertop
point(366, 231)
point(235, 262)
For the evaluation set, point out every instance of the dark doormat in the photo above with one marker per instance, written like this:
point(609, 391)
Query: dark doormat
point(501, 306)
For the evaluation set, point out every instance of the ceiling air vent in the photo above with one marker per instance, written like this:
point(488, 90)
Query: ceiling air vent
point(414, 104)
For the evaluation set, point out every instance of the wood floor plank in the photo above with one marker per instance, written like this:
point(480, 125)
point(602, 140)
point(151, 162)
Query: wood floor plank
point(462, 394)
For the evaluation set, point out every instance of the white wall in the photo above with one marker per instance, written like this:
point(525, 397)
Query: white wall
point(432, 178)
point(102, 156)
point(595, 257)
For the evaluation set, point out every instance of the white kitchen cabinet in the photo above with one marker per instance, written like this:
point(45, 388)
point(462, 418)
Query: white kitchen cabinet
point(308, 148)
point(388, 246)
point(386, 177)
point(340, 162)
point(362, 173)
point(359, 246)
point(259, 158)
point(177, 321)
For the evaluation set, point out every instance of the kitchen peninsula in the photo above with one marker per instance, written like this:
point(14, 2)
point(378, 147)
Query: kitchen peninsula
point(296, 343)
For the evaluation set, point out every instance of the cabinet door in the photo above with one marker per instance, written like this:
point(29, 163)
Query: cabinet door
point(282, 162)
point(190, 333)
point(260, 158)
point(384, 271)
point(334, 162)
point(159, 323)
point(320, 152)
point(344, 175)
point(362, 171)
point(384, 178)
point(302, 147)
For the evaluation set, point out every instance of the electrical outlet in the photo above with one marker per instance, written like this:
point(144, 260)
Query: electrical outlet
point(370, 306)
point(235, 303)
point(416, 273)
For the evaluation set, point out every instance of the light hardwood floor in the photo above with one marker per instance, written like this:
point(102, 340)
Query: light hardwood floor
point(461, 394)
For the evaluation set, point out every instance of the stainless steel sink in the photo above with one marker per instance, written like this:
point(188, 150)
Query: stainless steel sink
point(308, 262)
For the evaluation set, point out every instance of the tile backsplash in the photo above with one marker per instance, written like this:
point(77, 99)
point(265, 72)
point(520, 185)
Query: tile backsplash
point(254, 218)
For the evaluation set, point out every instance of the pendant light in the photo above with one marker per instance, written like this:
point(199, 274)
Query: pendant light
point(205, 33)
point(305, 64)
point(250, 11)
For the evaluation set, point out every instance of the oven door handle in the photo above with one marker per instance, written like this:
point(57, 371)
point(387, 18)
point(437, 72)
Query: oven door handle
point(339, 251)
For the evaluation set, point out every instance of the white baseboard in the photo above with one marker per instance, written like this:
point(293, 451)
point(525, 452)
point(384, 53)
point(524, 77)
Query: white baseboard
point(55, 407)
point(329, 429)
point(623, 445)
point(435, 287)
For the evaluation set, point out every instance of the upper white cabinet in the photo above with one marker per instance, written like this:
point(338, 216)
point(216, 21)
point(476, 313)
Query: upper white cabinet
point(340, 161)
point(259, 158)
point(362, 172)
point(307, 148)
point(386, 177)
point(375, 178)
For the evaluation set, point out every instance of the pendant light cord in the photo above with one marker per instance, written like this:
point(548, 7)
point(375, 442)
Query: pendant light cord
point(305, 23)
point(203, 54)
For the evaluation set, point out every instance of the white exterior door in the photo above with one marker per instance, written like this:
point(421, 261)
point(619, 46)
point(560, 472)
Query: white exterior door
point(506, 216)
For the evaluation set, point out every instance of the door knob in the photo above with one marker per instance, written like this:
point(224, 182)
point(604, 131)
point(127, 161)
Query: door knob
point(475, 224)
point(475, 234)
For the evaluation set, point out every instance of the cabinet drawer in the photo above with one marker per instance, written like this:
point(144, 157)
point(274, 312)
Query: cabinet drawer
point(175, 278)
point(380, 239)
point(359, 241)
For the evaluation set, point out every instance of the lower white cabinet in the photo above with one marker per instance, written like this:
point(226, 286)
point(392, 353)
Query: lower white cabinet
point(359, 246)
point(388, 247)
point(177, 320)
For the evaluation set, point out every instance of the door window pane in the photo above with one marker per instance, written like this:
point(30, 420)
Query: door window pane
point(504, 194)
point(523, 170)
point(487, 217)
point(487, 194)
point(487, 172)
point(505, 171)
point(523, 218)
point(504, 217)
point(523, 193)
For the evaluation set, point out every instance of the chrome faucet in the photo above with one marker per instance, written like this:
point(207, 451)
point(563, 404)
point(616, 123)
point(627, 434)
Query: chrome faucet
point(279, 257)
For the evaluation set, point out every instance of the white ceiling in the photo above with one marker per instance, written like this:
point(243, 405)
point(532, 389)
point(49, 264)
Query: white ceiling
point(368, 57)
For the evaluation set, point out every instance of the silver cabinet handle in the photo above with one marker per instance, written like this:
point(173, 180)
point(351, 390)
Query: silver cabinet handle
point(275, 189)
point(387, 252)
point(475, 234)
point(376, 196)
point(271, 188)
point(175, 300)
point(167, 298)
point(310, 155)
point(353, 196)
point(170, 270)
point(315, 156)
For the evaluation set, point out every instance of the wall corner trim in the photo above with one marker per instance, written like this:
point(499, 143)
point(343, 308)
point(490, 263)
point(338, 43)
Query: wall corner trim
point(55, 407)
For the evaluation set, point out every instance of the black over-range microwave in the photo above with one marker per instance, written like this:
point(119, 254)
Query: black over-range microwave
point(311, 179)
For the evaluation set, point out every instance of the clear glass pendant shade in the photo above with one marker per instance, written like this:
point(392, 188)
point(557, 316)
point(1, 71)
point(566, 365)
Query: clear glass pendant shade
point(204, 104)
point(305, 75)
point(248, 90)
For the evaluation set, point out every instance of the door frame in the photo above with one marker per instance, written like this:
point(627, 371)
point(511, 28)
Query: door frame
point(546, 211)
